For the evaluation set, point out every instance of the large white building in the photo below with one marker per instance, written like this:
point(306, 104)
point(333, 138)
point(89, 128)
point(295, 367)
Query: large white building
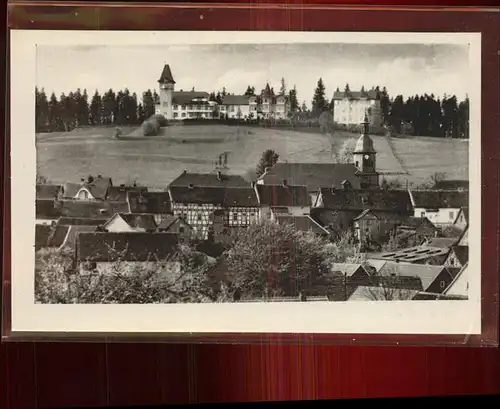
point(350, 107)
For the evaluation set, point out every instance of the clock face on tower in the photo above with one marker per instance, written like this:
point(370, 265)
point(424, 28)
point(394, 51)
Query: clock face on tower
point(367, 156)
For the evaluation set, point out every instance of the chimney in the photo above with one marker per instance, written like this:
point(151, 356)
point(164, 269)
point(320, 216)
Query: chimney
point(191, 186)
point(284, 182)
point(219, 175)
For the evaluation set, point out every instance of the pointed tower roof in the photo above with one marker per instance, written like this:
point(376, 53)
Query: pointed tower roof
point(365, 143)
point(166, 75)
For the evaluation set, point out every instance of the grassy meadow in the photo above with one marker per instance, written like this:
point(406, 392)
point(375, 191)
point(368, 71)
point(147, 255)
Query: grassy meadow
point(156, 161)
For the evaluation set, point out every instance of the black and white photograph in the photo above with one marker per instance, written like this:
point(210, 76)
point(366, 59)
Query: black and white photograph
point(261, 182)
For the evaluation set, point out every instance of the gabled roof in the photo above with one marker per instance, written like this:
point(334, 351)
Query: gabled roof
point(236, 100)
point(42, 234)
point(365, 213)
point(460, 284)
point(372, 293)
point(78, 221)
point(45, 209)
point(220, 196)
point(412, 222)
point(187, 97)
point(149, 202)
point(90, 209)
point(57, 236)
point(301, 223)
point(461, 253)
point(109, 247)
point(464, 238)
point(439, 199)
point(139, 220)
point(370, 94)
point(426, 273)
point(312, 175)
point(441, 242)
point(97, 188)
point(166, 75)
point(209, 180)
point(119, 193)
point(279, 195)
point(346, 268)
point(72, 234)
point(396, 201)
point(465, 212)
point(413, 254)
point(48, 191)
point(169, 220)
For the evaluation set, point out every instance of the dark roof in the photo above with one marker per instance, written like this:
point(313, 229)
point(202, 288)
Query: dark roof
point(209, 180)
point(42, 234)
point(397, 201)
point(451, 184)
point(149, 202)
point(222, 196)
point(73, 232)
point(346, 268)
point(57, 236)
point(465, 211)
point(312, 175)
point(372, 293)
point(426, 273)
point(413, 254)
point(48, 191)
point(424, 296)
point(301, 223)
point(436, 199)
point(45, 209)
point(119, 193)
point(462, 253)
point(90, 209)
point(279, 195)
point(77, 221)
point(138, 220)
point(236, 100)
point(97, 188)
point(370, 94)
point(364, 144)
point(412, 222)
point(170, 220)
point(441, 242)
point(98, 247)
point(166, 75)
point(186, 97)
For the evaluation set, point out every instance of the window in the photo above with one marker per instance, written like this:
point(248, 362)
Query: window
point(422, 214)
point(452, 215)
point(235, 217)
point(181, 229)
point(176, 106)
point(184, 107)
point(442, 284)
point(83, 195)
point(199, 217)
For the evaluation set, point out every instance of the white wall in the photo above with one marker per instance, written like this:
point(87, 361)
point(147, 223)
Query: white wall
point(440, 217)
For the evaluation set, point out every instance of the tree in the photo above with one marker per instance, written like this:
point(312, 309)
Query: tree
point(250, 91)
point(345, 153)
point(293, 101)
point(326, 122)
point(269, 259)
point(42, 123)
point(148, 103)
point(268, 159)
point(96, 109)
point(319, 102)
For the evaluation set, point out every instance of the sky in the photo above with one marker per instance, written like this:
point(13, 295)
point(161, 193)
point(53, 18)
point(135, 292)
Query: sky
point(406, 69)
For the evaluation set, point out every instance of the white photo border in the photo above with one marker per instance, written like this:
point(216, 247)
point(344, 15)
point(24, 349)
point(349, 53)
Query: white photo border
point(370, 317)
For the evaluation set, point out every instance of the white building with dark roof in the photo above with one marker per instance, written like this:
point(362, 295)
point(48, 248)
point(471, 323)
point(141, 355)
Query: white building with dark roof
point(350, 107)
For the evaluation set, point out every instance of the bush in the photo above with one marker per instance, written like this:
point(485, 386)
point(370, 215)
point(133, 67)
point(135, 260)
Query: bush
point(162, 121)
point(150, 127)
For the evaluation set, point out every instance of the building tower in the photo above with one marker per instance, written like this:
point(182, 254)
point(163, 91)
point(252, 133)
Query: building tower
point(364, 156)
point(167, 85)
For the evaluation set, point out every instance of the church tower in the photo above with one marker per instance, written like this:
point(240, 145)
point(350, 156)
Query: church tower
point(167, 85)
point(364, 156)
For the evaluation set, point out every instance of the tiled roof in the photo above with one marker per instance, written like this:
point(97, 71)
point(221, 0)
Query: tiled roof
point(438, 199)
point(221, 196)
point(46, 210)
point(169, 220)
point(42, 234)
point(76, 221)
point(97, 188)
point(462, 253)
point(413, 254)
point(72, 234)
point(48, 191)
point(186, 97)
point(412, 222)
point(119, 193)
point(364, 144)
point(451, 184)
point(166, 75)
point(140, 221)
point(312, 175)
point(426, 273)
point(236, 100)
point(369, 94)
point(149, 202)
point(376, 264)
point(209, 180)
point(301, 223)
point(441, 242)
point(91, 209)
point(396, 201)
point(346, 268)
point(104, 247)
point(57, 236)
point(279, 195)
point(459, 285)
point(464, 239)
point(372, 293)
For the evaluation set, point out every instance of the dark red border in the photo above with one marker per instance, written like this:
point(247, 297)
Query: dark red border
point(296, 18)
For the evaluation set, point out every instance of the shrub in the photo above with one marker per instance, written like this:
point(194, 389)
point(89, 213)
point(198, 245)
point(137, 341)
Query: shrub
point(162, 121)
point(150, 127)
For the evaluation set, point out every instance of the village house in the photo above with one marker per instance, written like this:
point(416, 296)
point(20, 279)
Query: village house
point(370, 226)
point(176, 225)
point(350, 107)
point(48, 192)
point(462, 219)
point(284, 198)
point(213, 179)
point(92, 188)
point(460, 284)
point(380, 293)
point(120, 193)
point(413, 231)
point(441, 207)
point(197, 204)
point(182, 104)
point(130, 222)
point(235, 107)
point(269, 105)
point(100, 252)
point(345, 278)
point(301, 223)
point(458, 257)
point(153, 203)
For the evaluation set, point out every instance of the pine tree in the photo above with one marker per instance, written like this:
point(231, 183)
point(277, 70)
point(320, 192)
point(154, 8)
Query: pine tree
point(141, 116)
point(294, 103)
point(55, 120)
point(42, 123)
point(96, 109)
point(319, 103)
point(268, 159)
point(148, 103)
point(250, 91)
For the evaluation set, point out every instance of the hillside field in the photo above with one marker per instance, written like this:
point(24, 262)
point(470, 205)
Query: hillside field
point(156, 161)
